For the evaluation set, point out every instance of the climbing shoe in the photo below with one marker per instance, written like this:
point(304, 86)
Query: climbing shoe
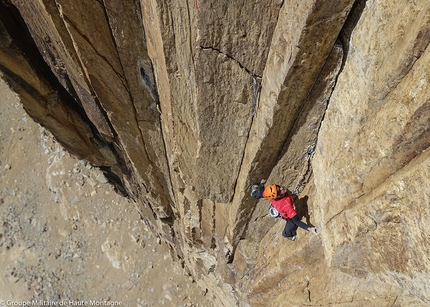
point(293, 238)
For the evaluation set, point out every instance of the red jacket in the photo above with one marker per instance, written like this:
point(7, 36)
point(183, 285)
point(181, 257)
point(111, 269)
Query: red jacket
point(285, 206)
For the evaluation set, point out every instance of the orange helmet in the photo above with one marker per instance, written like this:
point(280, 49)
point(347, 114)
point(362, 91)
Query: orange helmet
point(270, 192)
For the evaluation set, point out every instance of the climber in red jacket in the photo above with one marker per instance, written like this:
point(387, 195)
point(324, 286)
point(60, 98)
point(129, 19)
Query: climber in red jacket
point(283, 202)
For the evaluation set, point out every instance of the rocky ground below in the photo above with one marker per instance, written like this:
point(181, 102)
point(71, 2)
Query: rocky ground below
point(66, 237)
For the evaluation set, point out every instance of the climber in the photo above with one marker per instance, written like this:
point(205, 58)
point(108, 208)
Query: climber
point(283, 202)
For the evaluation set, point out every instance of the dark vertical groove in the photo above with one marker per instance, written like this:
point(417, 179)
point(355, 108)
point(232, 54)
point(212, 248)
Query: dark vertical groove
point(24, 44)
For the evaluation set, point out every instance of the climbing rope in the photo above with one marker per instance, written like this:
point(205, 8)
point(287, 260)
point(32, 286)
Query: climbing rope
point(256, 88)
point(306, 168)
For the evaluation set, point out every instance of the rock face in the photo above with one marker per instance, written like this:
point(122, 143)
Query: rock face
point(186, 104)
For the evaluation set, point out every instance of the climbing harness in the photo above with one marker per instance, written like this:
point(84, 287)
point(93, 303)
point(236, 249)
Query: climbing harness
point(273, 212)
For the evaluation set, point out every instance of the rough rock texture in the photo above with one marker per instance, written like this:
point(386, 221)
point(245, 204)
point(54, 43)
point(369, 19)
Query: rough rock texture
point(184, 104)
point(372, 178)
point(65, 234)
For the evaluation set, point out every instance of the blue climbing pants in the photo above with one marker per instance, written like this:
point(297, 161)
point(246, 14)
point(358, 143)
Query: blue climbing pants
point(291, 226)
